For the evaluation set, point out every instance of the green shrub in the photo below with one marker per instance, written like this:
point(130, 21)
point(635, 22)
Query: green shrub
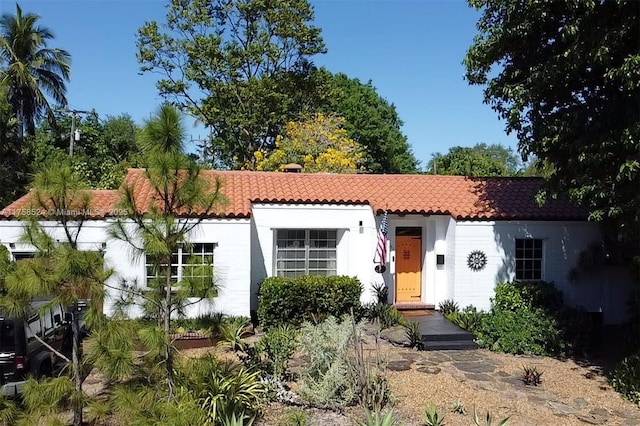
point(523, 332)
point(207, 324)
point(432, 417)
point(381, 291)
point(448, 306)
point(528, 317)
point(326, 377)
point(275, 349)
point(306, 298)
point(626, 378)
point(224, 388)
point(414, 336)
point(517, 295)
point(469, 318)
point(386, 315)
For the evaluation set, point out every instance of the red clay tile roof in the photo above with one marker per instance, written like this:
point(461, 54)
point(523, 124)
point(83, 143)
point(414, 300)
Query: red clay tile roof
point(460, 197)
point(102, 203)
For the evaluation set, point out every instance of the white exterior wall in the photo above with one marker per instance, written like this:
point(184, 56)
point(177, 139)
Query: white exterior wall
point(562, 244)
point(357, 234)
point(231, 259)
point(244, 255)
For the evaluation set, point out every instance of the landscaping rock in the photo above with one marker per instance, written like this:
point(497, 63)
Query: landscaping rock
point(563, 410)
point(628, 414)
point(580, 402)
point(396, 335)
point(429, 369)
point(474, 367)
point(600, 412)
point(591, 419)
point(479, 377)
point(403, 365)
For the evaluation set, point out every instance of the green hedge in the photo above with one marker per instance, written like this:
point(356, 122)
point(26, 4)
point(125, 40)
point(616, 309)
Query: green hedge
point(306, 298)
point(529, 318)
point(626, 378)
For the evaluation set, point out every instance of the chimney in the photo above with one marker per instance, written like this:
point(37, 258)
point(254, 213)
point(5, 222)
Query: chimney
point(292, 168)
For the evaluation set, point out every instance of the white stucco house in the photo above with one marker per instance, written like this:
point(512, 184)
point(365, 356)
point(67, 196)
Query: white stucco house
point(449, 237)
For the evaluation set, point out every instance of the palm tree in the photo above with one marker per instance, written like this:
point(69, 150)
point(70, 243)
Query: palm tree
point(30, 69)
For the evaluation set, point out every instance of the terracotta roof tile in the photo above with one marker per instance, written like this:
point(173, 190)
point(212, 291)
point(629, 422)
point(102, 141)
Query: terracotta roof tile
point(102, 203)
point(460, 197)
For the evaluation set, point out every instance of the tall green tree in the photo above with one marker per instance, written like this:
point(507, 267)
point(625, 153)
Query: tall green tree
point(13, 158)
point(318, 144)
point(107, 147)
point(62, 272)
point(481, 160)
point(242, 67)
point(157, 225)
point(565, 76)
point(374, 123)
point(31, 70)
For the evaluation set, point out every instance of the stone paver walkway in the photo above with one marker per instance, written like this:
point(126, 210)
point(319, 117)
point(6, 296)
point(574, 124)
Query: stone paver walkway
point(483, 372)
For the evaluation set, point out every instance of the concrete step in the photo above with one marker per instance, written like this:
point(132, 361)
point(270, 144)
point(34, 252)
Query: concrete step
point(448, 345)
point(448, 336)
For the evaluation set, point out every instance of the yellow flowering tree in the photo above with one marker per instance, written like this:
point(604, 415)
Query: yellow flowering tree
point(319, 144)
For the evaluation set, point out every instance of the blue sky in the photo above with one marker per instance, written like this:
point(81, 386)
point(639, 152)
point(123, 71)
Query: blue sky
point(411, 50)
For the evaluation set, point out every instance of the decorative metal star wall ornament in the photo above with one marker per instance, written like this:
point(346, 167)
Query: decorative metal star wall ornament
point(477, 260)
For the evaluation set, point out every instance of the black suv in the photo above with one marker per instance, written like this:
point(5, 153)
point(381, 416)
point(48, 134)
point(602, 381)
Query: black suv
point(22, 355)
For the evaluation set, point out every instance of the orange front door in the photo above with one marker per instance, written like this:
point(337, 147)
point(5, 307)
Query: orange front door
point(408, 268)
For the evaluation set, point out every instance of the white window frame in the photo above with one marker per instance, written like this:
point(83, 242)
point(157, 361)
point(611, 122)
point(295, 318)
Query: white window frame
point(307, 249)
point(526, 258)
point(180, 258)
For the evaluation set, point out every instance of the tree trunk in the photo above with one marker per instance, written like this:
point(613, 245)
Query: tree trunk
point(168, 355)
point(75, 358)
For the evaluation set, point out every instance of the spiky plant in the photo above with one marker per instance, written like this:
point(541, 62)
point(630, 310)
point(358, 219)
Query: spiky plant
point(414, 336)
point(432, 417)
point(531, 376)
point(459, 408)
point(375, 418)
point(487, 420)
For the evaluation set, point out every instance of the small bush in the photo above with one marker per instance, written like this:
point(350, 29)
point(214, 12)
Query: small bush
point(224, 388)
point(469, 318)
point(325, 379)
point(414, 336)
point(487, 420)
point(381, 291)
point(386, 315)
point(295, 417)
point(274, 350)
point(375, 418)
point(459, 408)
point(306, 298)
point(531, 376)
point(528, 317)
point(626, 378)
point(207, 324)
point(448, 306)
point(522, 332)
point(338, 372)
point(517, 295)
point(431, 416)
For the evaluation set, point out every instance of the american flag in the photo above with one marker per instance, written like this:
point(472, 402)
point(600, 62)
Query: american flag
point(381, 249)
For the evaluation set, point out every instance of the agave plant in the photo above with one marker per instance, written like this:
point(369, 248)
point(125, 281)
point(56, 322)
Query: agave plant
point(488, 420)
point(431, 416)
point(375, 418)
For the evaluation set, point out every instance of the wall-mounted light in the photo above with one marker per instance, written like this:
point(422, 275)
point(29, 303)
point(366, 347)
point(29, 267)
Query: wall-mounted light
point(103, 245)
point(361, 228)
point(12, 245)
point(439, 259)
